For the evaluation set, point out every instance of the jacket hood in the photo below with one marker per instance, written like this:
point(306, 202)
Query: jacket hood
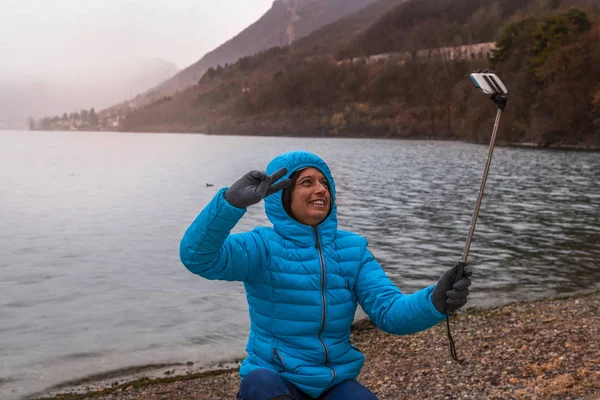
point(285, 225)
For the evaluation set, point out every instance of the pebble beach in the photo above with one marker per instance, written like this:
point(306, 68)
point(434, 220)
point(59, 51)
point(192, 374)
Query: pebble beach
point(548, 349)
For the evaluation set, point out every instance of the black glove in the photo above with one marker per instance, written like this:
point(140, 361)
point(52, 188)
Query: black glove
point(255, 186)
point(452, 289)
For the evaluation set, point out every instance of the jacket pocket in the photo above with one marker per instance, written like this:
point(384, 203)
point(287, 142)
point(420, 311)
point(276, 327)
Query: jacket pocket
point(286, 362)
point(278, 359)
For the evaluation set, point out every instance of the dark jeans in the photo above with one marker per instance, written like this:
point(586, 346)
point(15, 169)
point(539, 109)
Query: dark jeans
point(262, 384)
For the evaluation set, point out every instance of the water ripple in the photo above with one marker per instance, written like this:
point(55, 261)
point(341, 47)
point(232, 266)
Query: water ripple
point(90, 279)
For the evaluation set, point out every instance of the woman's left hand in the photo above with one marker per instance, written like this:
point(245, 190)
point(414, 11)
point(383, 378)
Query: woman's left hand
point(452, 289)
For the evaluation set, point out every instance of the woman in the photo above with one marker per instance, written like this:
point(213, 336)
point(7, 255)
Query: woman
point(303, 280)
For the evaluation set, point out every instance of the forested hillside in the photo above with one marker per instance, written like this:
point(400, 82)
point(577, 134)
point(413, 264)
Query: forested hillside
point(547, 52)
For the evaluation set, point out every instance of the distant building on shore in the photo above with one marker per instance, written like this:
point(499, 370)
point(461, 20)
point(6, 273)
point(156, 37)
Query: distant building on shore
point(476, 51)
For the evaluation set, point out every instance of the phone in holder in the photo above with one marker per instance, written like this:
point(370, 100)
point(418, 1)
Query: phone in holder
point(489, 84)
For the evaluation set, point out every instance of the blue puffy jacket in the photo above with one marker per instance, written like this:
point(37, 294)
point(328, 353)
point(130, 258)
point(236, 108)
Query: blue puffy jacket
point(302, 286)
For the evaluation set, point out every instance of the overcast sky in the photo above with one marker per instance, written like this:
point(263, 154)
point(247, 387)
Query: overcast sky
point(59, 36)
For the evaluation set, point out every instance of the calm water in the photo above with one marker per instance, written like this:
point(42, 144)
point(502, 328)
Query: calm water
point(90, 279)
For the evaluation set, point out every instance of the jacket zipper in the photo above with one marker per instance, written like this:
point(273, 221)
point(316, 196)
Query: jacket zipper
point(324, 300)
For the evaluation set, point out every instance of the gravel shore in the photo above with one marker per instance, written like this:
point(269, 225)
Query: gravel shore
point(546, 349)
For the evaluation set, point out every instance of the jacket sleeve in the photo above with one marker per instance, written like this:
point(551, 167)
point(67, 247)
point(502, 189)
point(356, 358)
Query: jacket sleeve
point(388, 308)
point(209, 250)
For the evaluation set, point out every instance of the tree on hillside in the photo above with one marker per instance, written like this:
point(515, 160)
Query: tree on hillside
point(596, 109)
point(551, 63)
point(92, 117)
point(551, 33)
point(571, 71)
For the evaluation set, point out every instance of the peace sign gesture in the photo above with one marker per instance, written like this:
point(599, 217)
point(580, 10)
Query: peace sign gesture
point(255, 186)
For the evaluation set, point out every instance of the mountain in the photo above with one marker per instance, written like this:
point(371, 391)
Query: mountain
point(283, 23)
point(400, 69)
point(404, 73)
point(98, 87)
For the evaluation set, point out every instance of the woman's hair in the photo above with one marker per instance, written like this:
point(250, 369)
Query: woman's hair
point(286, 195)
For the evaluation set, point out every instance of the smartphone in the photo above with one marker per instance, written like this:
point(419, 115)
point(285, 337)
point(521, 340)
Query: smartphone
point(488, 83)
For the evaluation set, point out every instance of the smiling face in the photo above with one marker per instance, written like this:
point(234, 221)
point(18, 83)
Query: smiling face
point(310, 201)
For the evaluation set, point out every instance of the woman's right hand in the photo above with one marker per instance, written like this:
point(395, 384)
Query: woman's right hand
point(255, 186)
point(452, 289)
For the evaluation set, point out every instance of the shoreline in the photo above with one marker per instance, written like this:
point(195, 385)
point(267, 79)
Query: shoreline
point(542, 349)
point(525, 145)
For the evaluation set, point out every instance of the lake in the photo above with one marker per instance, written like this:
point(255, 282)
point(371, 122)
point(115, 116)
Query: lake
point(90, 277)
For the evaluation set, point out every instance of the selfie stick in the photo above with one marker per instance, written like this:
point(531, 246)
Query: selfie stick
point(490, 85)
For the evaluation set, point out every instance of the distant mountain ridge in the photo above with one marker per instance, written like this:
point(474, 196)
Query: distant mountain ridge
point(272, 29)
